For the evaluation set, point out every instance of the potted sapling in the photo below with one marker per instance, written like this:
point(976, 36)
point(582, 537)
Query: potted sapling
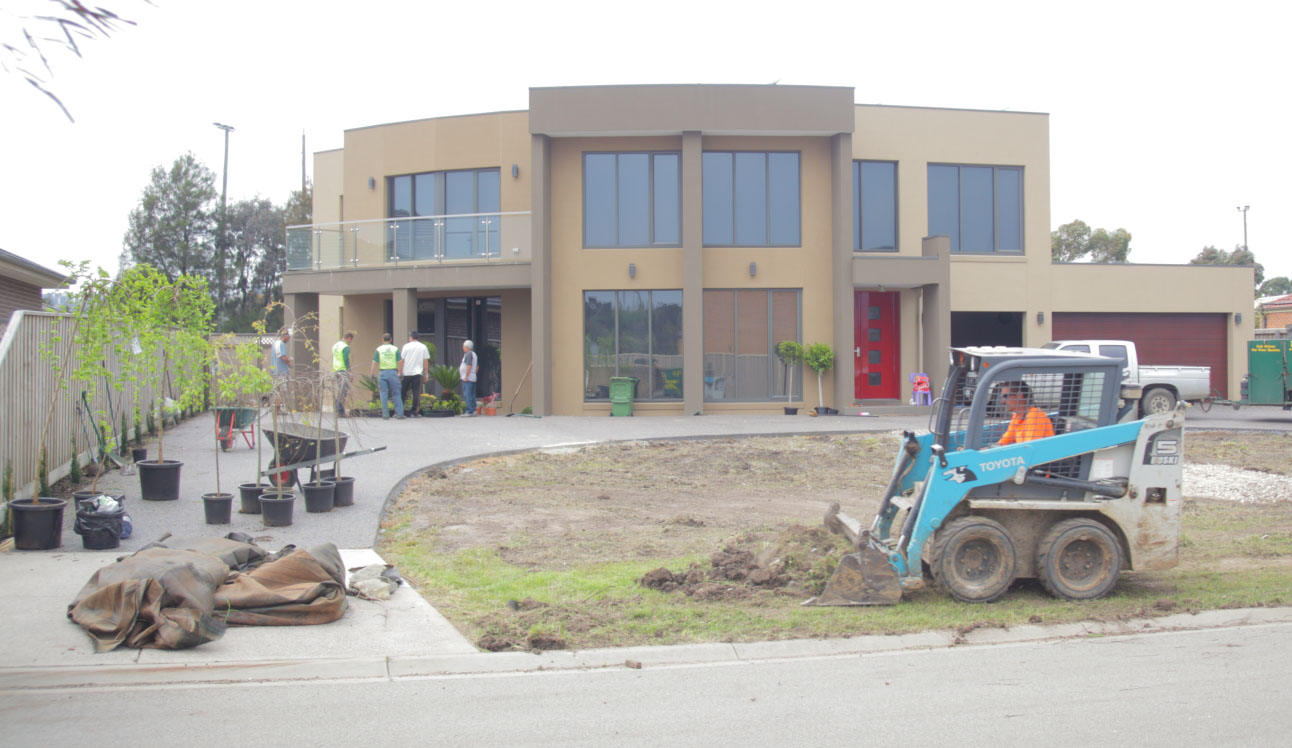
point(171, 321)
point(790, 352)
point(819, 357)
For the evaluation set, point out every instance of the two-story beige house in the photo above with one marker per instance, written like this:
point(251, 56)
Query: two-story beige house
point(677, 233)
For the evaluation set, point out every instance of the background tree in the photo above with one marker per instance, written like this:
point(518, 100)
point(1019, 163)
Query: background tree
point(257, 231)
point(173, 228)
point(1279, 285)
point(1075, 241)
point(1240, 256)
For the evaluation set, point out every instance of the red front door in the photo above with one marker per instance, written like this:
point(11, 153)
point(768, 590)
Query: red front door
point(877, 352)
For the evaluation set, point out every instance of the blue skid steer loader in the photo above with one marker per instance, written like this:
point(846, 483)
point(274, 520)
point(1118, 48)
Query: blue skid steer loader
point(1033, 468)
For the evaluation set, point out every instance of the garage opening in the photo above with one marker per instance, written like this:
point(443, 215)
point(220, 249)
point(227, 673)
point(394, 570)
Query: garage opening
point(986, 328)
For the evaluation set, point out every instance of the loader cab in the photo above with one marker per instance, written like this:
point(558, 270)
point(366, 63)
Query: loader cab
point(1075, 391)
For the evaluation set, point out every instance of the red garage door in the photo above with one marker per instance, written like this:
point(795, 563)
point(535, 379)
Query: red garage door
point(1181, 339)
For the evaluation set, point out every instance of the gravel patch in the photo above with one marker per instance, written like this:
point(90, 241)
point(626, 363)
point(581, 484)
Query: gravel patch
point(1236, 484)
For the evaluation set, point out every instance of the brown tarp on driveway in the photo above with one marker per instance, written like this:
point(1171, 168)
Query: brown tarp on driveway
point(174, 598)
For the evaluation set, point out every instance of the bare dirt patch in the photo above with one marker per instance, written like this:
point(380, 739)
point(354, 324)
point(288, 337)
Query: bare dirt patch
point(749, 512)
point(643, 500)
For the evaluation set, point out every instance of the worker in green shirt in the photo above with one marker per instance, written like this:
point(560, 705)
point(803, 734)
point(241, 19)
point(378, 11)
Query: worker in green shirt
point(341, 370)
point(385, 364)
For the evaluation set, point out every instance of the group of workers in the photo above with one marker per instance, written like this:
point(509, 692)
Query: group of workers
point(399, 371)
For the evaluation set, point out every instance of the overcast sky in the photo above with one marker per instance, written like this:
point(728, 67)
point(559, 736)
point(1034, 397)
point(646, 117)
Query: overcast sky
point(1164, 117)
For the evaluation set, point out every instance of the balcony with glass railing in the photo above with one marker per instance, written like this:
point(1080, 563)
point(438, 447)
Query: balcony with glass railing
point(422, 240)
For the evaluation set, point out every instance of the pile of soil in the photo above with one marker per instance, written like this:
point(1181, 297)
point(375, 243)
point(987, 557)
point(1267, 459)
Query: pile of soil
point(797, 561)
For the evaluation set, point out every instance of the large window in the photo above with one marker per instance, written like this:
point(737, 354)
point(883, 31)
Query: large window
point(874, 208)
point(633, 334)
point(741, 331)
point(979, 207)
point(632, 200)
point(751, 199)
point(432, 197)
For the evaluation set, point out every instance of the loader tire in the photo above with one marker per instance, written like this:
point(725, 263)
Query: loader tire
point(974, 559)
point(1078, 559)
point(1157, 400)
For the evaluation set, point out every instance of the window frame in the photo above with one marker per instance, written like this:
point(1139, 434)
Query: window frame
point(644, 389)
point(957, 246)
point(767, 191)
point(858, 188)
point(773, 361)
point(651, 215)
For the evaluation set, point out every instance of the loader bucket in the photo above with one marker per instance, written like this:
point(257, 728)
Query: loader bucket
point(863, 578)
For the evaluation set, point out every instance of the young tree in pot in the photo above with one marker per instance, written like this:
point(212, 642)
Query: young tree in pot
point(819, 357)
point(790, 352)
point(171, 321)
point(241, 383)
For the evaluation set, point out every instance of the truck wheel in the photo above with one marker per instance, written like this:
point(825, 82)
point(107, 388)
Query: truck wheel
point(1157, 400)
point(1078, 559)
point(974, 558)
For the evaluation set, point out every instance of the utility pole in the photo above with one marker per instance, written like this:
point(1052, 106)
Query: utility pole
point(1243, 209)
point(222, 241)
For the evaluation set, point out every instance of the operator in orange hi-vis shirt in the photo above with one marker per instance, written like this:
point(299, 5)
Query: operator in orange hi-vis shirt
point(1027, 422)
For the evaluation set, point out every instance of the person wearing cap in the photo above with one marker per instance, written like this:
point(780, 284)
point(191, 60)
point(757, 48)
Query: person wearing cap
point(341, 370)
point(385, 364)
point(468, 370)
point(413, 371)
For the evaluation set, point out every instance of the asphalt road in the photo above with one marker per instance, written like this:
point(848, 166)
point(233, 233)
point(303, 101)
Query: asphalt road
point(1212, 687)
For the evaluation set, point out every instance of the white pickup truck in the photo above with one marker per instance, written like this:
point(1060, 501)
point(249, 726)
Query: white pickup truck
point(1163, 386)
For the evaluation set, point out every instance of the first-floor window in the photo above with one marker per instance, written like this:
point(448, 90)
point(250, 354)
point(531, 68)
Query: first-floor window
point(633, 334)
point(741, 331)
point(979, 207)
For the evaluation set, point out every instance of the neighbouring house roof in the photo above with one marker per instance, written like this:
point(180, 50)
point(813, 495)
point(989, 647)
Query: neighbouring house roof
point(20, 269)
point(1272, 303)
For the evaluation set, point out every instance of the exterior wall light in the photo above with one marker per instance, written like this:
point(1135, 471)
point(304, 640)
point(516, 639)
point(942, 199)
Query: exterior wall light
point(372, 183)
point(1238, 318)
point(515, 170)
point(1040, 318)
point(632, 270)
point(753, 269)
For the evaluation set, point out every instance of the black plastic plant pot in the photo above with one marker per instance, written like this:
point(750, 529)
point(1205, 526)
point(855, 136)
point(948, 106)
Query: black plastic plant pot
point(276, 508)
point(138, 454)
point(159, 480)
point(219, 508)
point(319, 496)
point(37, 523)
point(249, 494)
point(344, 492)
point(791, 411)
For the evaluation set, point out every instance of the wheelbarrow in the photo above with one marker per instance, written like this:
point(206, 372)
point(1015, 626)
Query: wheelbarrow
point(229, 420)
point(297, 446)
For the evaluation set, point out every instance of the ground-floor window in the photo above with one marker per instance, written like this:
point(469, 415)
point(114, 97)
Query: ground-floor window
point(633, 334)
point(741, 331)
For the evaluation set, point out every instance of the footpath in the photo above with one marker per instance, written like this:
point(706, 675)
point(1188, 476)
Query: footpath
point(404, 637)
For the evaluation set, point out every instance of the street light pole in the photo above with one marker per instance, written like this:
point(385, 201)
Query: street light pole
point(1243, 209)
point(222, 242)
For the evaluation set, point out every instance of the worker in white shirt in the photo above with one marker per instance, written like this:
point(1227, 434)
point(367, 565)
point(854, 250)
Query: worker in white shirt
point(414, 372)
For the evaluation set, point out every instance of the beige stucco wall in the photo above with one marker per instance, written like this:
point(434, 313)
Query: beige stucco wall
point(329, 173)
point(916, 137)
point(517, 352)
point(575, 269)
